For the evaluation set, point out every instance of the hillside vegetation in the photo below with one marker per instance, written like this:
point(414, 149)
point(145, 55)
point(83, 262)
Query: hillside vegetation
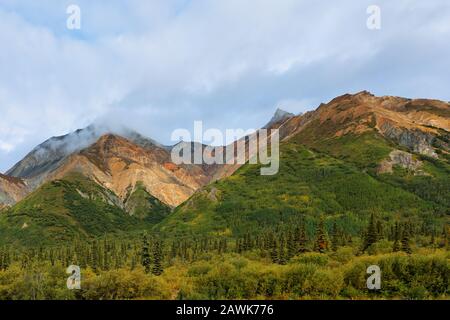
point(74, 207)
point(314, 184)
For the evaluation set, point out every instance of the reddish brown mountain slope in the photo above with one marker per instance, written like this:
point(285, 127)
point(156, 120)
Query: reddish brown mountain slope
point(118, 164)
point(415, 124)
point(11, 190)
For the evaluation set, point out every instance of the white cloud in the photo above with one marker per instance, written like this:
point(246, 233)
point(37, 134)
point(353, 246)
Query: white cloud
point(6, 147)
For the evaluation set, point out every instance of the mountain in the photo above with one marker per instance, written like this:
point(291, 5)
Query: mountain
point(421, 126)
point(11, 190)
point(354, 156)
point(62, 210)
point(50, 155)
point(86, 184)
point(117, 164)
point(278, 118)
point(128, 175)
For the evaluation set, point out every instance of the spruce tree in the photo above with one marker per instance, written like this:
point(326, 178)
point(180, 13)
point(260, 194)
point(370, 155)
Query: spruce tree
point(371, 235)
point(321, 244)
point(274, 253)
point(157, 259)
point(2, 259)
point(52, 257)
point(405, 243)
point(224, 245)
point(334, 237)
point(133, 262)
point(173, 250)
point(145, 254)
point(301, 238)
point(247, 242)
point(106, 261)
point(396, 245)
point(94, 256)
point(238, 246)
point(380, 230)
point(282, 250)
point(291, 245)
point(444, 237)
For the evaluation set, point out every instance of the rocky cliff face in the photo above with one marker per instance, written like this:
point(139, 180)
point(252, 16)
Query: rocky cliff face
point(419, 125)
point(404, 160)
point(11, 190)
point(118, 164)
point(49, 155)
point(278, 118)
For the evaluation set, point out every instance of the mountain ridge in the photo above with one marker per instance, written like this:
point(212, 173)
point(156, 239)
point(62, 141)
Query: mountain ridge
point(387, 142)
point(413, 123)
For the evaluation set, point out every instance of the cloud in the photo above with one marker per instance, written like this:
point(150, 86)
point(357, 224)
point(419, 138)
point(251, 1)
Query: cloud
point(160, 65)
point(6, 147)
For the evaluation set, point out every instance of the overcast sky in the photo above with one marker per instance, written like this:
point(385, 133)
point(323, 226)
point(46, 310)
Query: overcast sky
point(160, 65)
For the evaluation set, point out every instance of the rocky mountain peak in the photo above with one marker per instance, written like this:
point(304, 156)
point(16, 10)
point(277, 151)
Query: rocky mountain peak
point(279, 117)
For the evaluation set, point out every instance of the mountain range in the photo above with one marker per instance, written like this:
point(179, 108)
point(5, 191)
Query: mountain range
point(353, 156)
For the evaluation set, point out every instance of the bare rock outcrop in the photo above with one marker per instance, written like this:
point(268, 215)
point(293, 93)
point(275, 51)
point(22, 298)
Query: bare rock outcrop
point(403, 159)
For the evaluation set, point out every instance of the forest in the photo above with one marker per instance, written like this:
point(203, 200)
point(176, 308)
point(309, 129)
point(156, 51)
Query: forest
point(295, 261)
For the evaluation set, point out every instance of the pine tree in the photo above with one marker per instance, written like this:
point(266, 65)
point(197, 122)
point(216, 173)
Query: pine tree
point(274, 252)
point(247, 242)
point(321, 244)
point(94, 256)
point(133, 262)
point(396, 245)
point(225, 245)
point(380, 230)
point(405, 242)
point(282, 250)
point(145, 254)
point(334, 237)
point(106, 262)
point(444, 237)
point(157, 259)
point(222, 246)
point(301, 238)
point(371, 235)
point(291, 245)
point(173, 250)
point(52, 257)
point(238, 246)
point(2, 258)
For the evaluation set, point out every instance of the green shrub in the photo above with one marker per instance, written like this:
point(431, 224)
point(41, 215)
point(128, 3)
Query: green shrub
point(314, 258)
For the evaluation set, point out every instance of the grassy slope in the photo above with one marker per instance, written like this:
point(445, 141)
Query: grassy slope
point(337, 179)
point(142, 205)
point(64, 209)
